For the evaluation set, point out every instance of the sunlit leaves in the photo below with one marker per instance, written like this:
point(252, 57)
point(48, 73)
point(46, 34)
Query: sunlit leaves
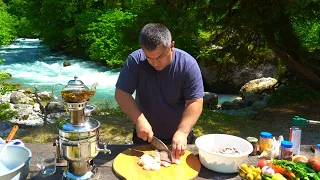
point(7, 30)
point(107, 37)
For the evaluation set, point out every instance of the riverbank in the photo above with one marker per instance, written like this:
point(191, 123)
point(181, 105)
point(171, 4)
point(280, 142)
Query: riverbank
point(277, 119)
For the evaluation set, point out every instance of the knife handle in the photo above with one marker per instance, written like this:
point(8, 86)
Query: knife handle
point(12, 133)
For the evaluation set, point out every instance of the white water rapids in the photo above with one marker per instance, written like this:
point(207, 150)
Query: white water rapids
point(31, 63)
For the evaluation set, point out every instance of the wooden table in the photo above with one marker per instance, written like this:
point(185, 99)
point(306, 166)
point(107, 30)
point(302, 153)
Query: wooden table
point(104, 163)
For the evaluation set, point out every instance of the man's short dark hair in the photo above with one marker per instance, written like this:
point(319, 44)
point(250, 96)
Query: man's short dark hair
point(154, 34)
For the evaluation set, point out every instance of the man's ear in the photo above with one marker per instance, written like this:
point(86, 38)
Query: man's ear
point(172, 44)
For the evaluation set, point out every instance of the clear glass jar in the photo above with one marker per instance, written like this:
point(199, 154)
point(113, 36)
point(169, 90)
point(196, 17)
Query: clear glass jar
point(317, 151)
point(286, 150)
point(254, 143)
point(265, 141)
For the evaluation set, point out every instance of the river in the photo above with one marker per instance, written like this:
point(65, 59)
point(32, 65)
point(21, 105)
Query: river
point(31, 63)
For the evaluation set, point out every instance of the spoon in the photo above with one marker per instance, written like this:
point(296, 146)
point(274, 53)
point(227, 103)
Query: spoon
point(9, 138)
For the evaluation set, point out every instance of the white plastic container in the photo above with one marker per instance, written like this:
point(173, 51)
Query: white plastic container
point(223, 163)
point(15, 162)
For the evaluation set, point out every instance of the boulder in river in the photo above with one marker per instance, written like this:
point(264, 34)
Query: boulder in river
point(66, 63)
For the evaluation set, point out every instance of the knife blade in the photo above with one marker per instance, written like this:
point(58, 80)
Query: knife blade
point(160, 146)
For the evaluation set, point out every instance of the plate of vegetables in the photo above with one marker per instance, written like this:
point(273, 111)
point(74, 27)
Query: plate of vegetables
point(300, 168)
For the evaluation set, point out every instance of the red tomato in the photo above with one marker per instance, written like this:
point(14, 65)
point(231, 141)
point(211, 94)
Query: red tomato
point(263, 162)
point(315, 164)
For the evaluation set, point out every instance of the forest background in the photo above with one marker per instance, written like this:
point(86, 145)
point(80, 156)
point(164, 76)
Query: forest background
point(220, 33)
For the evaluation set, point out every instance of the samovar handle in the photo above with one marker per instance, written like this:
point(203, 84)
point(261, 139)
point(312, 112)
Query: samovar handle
point(53, 96)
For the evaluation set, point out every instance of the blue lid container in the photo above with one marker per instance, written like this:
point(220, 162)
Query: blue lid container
point(286, 144)
point(265, 134)
point(318, 146)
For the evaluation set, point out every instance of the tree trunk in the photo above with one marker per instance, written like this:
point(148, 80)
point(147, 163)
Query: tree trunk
point(292, 62)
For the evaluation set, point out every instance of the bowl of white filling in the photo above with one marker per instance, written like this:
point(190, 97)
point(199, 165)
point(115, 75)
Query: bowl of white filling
point(223, 153)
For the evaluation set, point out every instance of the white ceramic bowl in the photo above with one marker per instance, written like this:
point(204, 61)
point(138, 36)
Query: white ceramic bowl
point(14, 163)
point(223, 163)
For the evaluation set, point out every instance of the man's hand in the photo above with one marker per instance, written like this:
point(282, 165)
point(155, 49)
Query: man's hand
point(144, 130)
point(129, 106)
point(179, 144)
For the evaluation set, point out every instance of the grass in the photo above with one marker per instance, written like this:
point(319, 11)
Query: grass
point(214, 123)
point(118, 125)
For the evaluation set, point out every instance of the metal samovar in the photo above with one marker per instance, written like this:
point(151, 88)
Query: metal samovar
point(78, 140)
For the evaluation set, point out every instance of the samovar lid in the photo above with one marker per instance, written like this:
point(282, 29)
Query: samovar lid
point(89, 125)
point(75, 81)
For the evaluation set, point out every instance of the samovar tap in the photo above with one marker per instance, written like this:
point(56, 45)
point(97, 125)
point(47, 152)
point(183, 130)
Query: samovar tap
point(105, 150)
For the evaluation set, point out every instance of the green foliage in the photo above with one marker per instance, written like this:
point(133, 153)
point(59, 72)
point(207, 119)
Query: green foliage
point(5, 87)
point(223, 33)
point(294, 92)
point(106, 37)
point(25, 28)
point(7, 30)
point(6, 113)
point(4, 75)
point(76, 35)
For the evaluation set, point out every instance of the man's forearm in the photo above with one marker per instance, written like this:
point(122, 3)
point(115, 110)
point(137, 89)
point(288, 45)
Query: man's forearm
point(129, 106)
point(191, 115)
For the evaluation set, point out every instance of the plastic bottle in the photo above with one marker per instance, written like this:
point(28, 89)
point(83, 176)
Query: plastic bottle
point(317, 151)
point(286, 150)
point(265, 141)
point(295, 138)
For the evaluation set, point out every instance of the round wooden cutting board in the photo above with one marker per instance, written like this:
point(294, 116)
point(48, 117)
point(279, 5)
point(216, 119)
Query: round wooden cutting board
point(126, 166)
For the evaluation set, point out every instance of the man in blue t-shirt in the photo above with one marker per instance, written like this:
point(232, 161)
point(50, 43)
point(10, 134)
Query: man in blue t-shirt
point(169, 90)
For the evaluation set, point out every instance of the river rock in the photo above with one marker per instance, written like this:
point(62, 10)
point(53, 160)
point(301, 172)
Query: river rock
point(55, 106)
point(250, 98)
point(230, 105)
point(5, 128)
point(26, 91)
point(23, 110)
point(35, 122)
point(210, 100)
point(19, 98)
point(66, 63)
point(231, 80)
point(52, 117)
point(5, 98)
point(257, 86)
point(44, 96)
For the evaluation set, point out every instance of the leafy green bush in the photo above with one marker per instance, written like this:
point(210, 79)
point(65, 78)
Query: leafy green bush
point(7, 30)
point(7, 87)
point(106, 37)
point(294, 92)
point(6, 113)
point(4, 75)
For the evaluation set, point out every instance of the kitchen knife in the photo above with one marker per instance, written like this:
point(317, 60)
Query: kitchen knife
point(160, 146)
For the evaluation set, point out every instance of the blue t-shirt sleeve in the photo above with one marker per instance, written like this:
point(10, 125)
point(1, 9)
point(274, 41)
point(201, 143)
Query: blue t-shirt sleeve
point(128, 77)
point(193, 84)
